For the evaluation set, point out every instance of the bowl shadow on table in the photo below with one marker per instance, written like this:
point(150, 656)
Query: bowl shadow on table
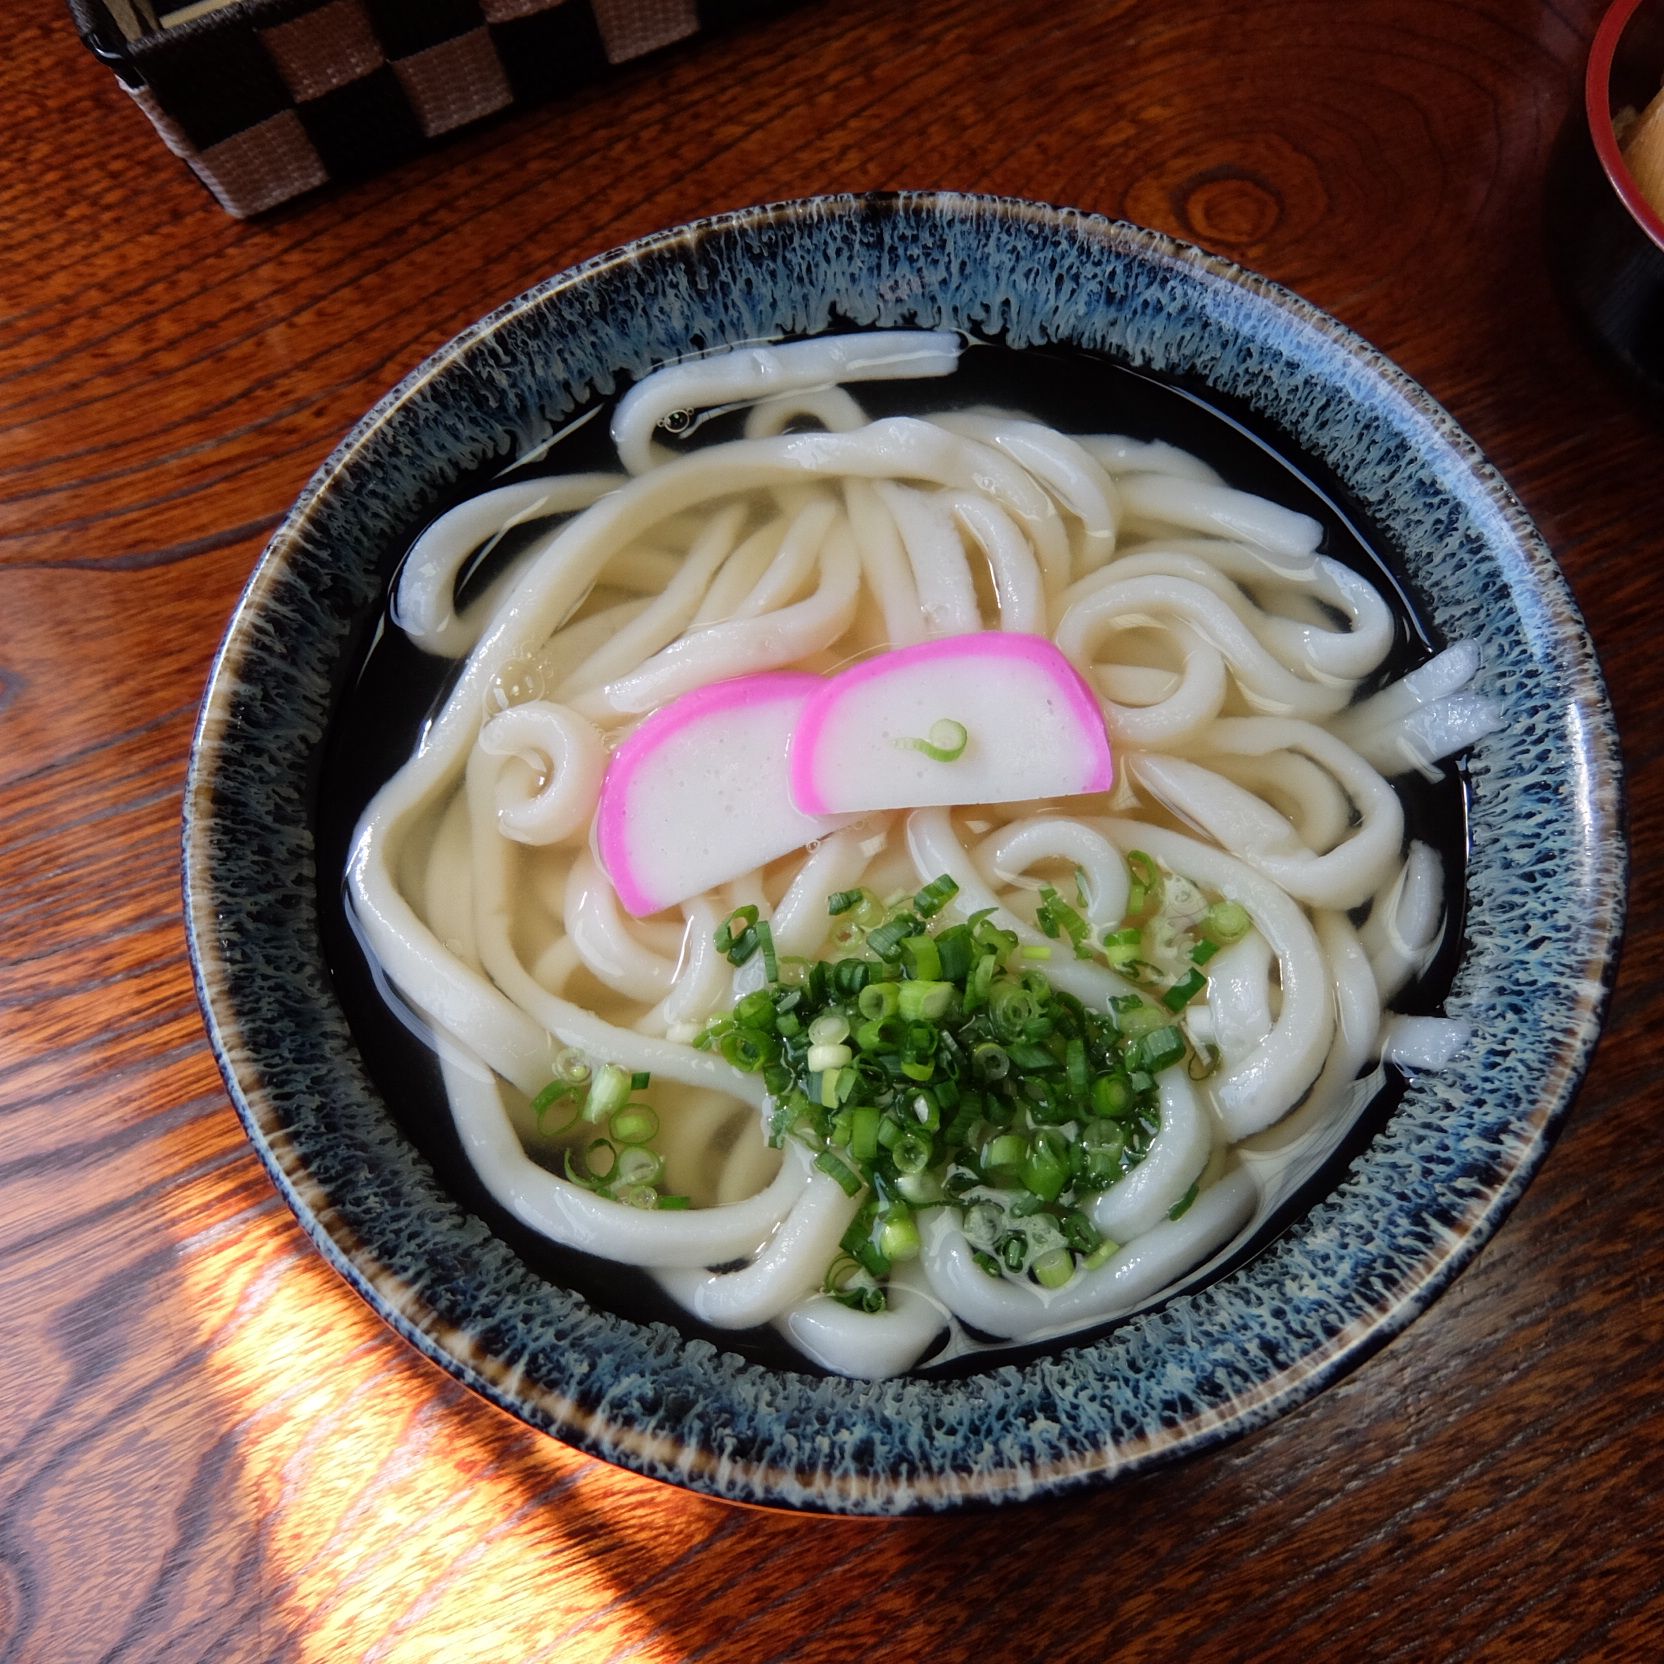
point(710, 1581)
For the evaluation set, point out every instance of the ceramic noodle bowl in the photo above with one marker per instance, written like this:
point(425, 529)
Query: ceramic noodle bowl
point(348, 1112)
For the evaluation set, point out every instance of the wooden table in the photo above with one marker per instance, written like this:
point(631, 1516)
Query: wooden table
point(209, 1449)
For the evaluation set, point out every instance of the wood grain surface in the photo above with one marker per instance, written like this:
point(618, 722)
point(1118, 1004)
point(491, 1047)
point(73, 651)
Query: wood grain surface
point(209, 1449)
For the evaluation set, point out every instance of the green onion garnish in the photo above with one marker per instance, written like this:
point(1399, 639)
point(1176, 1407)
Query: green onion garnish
point(1184, 990)
point(934, 1067)
point(609, 1091)
point(556, 1092)
point(1227, 921)
point(726, 935)
point(935, 896)
point(886, 940)
point(848, 1180)
point(879, 999)
point(1056, 917)
point(634, 1124)
point(945, 744)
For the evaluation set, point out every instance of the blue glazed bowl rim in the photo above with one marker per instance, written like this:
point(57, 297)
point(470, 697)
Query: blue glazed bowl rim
point(757, 1462)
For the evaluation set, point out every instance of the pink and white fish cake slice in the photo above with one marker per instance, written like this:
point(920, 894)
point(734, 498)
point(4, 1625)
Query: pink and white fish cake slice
point(1030, 727)
point(698, 794)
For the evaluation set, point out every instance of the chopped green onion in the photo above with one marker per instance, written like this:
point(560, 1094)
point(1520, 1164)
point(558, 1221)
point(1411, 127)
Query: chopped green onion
point(609, 1091)
point(946, 742)
point(1227, 921)
point(886, 940)
point(556, 1092)
point(847, 1179)
point(1045, 1168)
point(840, 1274)
point(634, 1165)
point(922, 957)
point(879, 999)
point(634, 1124)
point(1056, 917)
point(738, 945)
point(1111, 1095)
point(1123, 948)
point(863, 1133)
point(1161, 1049)
point(744, 1050)
point(1011, 1006)
point(829, 1030)
point(869, 911)
point(1083, 1236)
point(940, 1068)
point(593, 1175)
point(869, 1298)
point(756, 1010)
point(927, 1001)
point(1007, 1152)
point(882, 1034)
point(898, 1234)
point(1181, 1207)
point(1027, 1056)
point(922, 1189)
point(954, 947)
point(1141, 1019)
point(935, 896)
point(911, 1153)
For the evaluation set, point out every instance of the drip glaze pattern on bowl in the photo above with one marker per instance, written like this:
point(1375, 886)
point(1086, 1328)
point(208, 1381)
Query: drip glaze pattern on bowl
point(1544, 893)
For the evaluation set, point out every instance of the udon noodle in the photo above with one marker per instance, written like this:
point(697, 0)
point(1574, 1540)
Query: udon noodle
point(1228, 654)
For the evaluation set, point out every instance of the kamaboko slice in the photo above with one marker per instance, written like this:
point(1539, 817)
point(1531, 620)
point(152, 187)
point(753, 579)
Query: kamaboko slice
point(698, 794)
point(994, 717)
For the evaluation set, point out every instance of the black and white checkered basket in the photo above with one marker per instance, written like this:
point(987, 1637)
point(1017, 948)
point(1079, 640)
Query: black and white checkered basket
point(267, 99)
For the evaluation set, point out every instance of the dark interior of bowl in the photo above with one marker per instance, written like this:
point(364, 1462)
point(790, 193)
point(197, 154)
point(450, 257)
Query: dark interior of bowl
point(1094, 326)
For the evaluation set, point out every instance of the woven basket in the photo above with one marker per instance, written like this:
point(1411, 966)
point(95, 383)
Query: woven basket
point(267, 99)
